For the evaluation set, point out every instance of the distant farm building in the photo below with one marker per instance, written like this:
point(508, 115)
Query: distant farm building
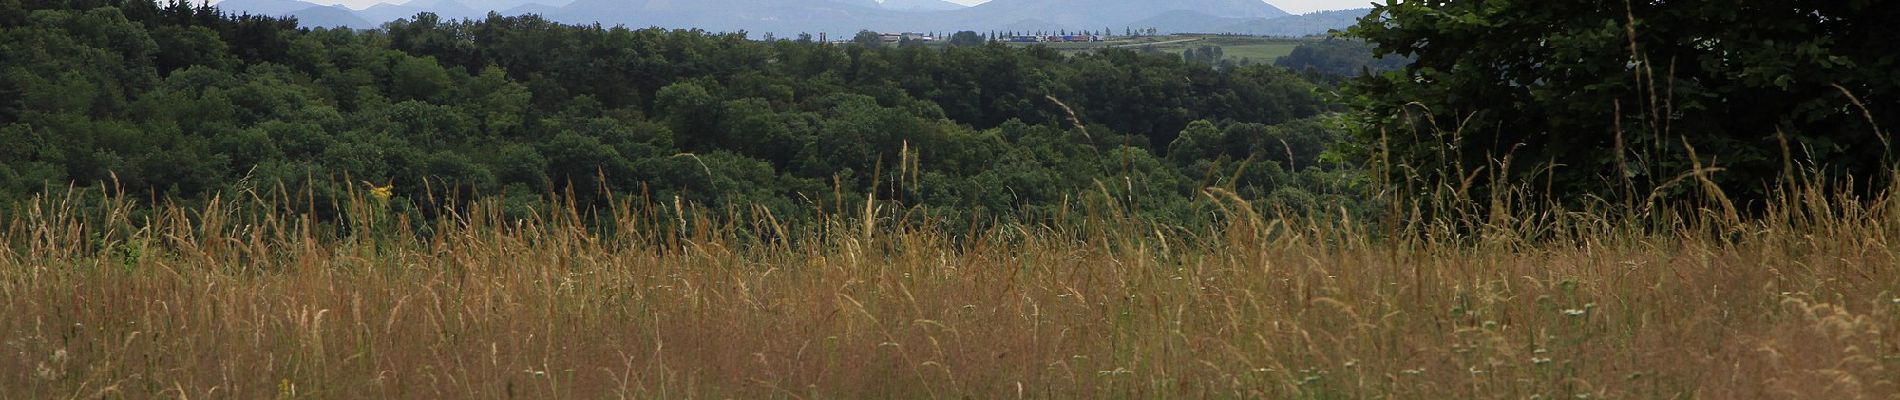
point(1073, 38)
point(911, 36)
point(1053, 38)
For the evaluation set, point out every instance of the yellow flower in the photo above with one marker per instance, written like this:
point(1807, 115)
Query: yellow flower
point(382, 193)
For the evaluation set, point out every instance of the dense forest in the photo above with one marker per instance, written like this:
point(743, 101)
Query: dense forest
point(176, 102)
point(1588, 101)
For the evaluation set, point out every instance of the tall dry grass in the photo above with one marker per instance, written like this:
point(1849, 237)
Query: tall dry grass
point(250, 298)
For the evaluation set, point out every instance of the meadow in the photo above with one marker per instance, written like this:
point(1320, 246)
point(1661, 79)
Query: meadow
point(1641, 204)
point(108, 296)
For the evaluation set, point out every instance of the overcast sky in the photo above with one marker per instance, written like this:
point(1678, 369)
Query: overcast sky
point(1292, 6)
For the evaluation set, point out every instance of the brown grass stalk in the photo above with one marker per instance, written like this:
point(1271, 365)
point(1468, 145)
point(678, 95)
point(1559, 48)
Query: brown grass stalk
point(248, 298)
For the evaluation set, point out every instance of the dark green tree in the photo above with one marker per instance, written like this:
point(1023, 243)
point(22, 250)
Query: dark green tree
point(868, 39)
point(691, 111)
point(1340, 57)
point(417, 78)
point(183, 46)
point(1595, 98)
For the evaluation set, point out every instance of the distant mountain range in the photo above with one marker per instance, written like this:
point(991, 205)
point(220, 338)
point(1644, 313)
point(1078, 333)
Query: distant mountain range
point(1093, 14)
point(1298, 25)
point(1183, 21)
point(920, 5)
point(843, 17)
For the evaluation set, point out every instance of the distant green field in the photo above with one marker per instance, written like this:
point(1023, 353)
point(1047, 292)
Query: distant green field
point(1261, 50)
point(1257, 49)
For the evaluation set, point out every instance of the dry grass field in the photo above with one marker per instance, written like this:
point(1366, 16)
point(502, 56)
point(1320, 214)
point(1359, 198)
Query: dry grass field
point(247, 299)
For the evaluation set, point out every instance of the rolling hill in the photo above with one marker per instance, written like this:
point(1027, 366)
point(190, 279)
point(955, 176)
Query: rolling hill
point(447, 9)
point(275, 8)
point(331, 16)
point(1297, 25)
point(920, 5)
point(1185, 21)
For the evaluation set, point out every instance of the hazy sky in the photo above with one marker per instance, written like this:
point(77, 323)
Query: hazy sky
point(1292, 6)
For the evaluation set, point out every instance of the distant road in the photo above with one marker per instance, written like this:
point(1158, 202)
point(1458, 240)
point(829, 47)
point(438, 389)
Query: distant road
point(1156, 43)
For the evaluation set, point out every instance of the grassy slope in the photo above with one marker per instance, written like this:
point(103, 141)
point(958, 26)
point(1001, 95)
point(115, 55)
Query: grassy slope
point(1260, 50)
point(238, 301)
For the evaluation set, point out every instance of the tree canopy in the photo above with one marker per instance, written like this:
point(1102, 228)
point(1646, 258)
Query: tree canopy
point(1600, 98)
point(186, 102)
